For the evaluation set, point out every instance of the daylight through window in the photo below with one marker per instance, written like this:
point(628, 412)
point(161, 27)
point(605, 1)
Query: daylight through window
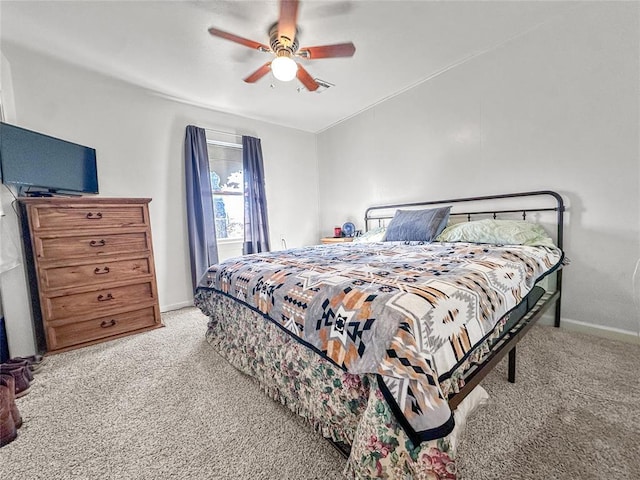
point(227, 185)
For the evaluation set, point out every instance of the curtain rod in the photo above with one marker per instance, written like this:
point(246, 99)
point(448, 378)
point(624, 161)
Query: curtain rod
point(211, 130)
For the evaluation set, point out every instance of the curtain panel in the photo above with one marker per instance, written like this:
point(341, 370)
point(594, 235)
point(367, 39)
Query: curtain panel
point(203, 248)
point(256, 226)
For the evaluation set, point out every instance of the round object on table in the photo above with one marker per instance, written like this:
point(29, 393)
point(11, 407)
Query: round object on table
point(348, 229)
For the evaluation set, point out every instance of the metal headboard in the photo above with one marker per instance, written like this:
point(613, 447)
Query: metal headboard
point(382, 213)
point(386, 212)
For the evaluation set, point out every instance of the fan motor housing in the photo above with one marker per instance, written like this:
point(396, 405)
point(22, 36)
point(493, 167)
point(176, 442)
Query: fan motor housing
point(276, 45)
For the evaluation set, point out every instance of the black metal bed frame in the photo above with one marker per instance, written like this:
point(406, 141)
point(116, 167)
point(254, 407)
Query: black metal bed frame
point(507, 343)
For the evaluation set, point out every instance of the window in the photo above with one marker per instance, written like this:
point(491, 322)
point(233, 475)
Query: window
point(227, 185)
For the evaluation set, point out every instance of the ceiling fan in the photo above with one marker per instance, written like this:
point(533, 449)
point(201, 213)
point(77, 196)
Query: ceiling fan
point(283, 41)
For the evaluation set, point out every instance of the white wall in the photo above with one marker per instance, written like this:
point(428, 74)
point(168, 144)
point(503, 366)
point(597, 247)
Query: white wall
point(556, 108)
point(139, 139)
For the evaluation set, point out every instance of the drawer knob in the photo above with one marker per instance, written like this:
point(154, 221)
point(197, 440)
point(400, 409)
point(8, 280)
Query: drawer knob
point(94, 216)
point(101, 271)
point(105, 298)
point(97, 243)
point(106, 324)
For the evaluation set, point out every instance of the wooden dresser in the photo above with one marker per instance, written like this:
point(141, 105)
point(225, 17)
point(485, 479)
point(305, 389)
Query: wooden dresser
point(91, 269)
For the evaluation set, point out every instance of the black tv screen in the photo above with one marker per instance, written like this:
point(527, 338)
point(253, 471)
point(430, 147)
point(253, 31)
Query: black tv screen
point(34, 161)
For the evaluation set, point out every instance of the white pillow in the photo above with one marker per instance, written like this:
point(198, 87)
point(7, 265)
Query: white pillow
point(475, 399)
point(373, 235)
point(501, 232)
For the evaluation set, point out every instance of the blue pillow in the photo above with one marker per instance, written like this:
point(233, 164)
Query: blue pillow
point(417, 225)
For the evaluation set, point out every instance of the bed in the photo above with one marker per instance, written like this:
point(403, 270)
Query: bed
point(381, 345)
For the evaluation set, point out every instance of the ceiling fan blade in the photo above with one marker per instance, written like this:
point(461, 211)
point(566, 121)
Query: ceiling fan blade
point(258, 74)
point(287, 21)
point(328, 51)
point(241, 40)
point(306, 79)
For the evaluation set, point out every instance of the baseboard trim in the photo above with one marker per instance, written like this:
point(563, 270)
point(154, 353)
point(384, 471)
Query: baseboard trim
point(612, 333)
point(175, 306)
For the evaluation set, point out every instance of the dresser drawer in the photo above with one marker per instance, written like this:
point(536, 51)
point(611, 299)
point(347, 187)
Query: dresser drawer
point(76, 333)
point(99, 302)
point(52, 248)
point(94, 273)
point(91, 216)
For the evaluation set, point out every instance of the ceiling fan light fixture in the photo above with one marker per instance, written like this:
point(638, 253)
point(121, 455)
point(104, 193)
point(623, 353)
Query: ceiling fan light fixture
point(283, 44)
point(284, 68)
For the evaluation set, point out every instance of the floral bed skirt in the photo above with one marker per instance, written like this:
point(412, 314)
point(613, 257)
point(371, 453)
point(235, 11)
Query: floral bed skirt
point(341, 406)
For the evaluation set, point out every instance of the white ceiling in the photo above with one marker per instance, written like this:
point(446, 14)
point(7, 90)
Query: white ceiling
point(164, 46)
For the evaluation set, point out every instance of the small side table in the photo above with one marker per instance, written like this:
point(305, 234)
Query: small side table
point(336, 239)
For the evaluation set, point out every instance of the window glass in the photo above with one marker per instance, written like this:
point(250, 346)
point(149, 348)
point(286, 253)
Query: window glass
point(227, 184)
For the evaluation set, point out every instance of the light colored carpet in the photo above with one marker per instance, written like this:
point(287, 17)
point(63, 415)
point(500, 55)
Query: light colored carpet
point(573, 413)
point(163, 405)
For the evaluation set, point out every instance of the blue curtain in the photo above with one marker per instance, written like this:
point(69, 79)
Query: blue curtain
point(202, 233)
point(256, 227)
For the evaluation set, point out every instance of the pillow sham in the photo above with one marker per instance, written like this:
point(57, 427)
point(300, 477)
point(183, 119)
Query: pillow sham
point(504, 232)
point(373, 235)
point(417, 225)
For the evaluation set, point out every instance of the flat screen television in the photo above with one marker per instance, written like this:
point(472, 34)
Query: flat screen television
point(38, 163)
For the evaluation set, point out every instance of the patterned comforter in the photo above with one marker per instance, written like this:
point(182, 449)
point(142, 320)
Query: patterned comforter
point(409, 313)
